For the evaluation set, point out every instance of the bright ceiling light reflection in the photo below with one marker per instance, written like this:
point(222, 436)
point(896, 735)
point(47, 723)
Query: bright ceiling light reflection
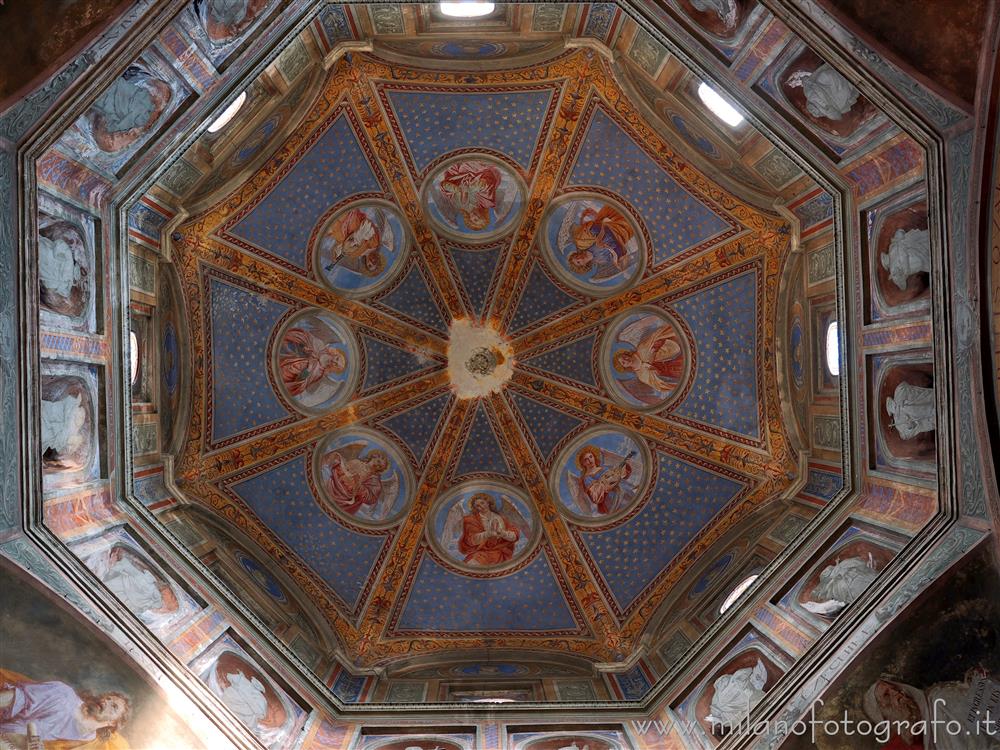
point(833, 348)
point(737, 592)
point(230, 112)
point(467, 9)
point(719, 106)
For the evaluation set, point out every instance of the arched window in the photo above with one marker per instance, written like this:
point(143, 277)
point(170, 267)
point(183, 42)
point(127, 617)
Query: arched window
point(737, 592)
point(466, 9)
point(719, 106)
point(133, 353)
point(228, 114)
point(833, 348)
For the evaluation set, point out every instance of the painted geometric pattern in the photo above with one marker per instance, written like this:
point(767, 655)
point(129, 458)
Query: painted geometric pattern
point(384, 585)
point(609, 158)
point(435, 124)
point(281, 498)
point(629, 557)
point(334, 169)
point(528, 600)
point(723, 322)
point(241, 324)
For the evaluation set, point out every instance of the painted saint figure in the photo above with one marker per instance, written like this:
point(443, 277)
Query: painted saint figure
point(726, 10)
point(63, 274)
point(127, 109)
point(243, 691)
point(355, 482)
point(912, 410)
point(57, 716)
point(144, 593)
point(64, 421)
point(734, 695)
point(486, 536)
point(224, 20)
point(909, 254)
point(971, 706)
point(356, 240)
point(471, 189)
point(654, 359)
point(597, 237)
point(840, 584)
point(828, 94)
point(306, 359)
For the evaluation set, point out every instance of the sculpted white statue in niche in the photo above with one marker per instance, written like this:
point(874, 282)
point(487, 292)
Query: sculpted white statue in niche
point(724, 9)
point(735, 694)
point(909, 253)
point(912, 410)
point(828, 94)
point(840, 584)
point(63, 435)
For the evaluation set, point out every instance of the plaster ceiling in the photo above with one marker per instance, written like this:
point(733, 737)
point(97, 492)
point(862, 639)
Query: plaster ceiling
point(405, 277)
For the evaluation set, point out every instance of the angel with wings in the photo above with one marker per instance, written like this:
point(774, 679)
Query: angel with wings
point(484, 536)
point(357, 483)
point(598, 238)
point(652, 357)
point(602, 487)
point(356, 241)
point(473, 190)
point(309, 355)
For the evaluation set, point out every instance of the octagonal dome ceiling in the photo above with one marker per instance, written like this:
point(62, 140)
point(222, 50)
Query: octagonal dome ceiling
point(478, 356)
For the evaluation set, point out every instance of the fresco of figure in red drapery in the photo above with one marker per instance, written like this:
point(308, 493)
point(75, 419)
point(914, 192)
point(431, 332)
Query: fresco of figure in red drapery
point(654, 358)
point(471, 188)
point(486, 536)
point(354, 482)
point(305, 359)
point(601, 236)
point(355, 240)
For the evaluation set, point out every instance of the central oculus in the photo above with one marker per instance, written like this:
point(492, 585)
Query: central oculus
point(480, 360)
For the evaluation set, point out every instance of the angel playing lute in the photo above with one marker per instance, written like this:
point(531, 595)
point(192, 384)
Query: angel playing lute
point(602, 487)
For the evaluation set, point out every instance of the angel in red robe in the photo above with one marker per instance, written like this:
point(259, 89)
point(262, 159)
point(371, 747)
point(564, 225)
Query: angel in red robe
point(307, 358)
point(486, 537)
point(655, 361)
point(354, 482)
point(472, 189)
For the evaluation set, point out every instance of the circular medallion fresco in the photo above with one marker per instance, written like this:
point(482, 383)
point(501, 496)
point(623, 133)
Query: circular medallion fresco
point(261, 577)
point(361, 248)
point(483, 526)
point(315, 361)
point(473, 198)
point(600, 476)
point(593, 243)
point(644, 358)
point(362, 476)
